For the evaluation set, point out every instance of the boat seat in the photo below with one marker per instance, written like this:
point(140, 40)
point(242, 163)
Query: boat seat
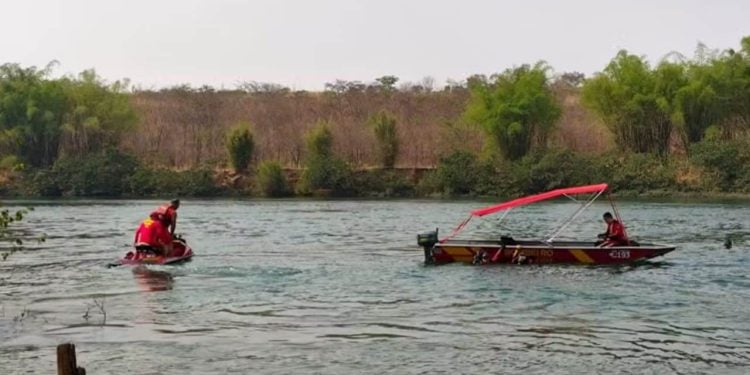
point(504, 240)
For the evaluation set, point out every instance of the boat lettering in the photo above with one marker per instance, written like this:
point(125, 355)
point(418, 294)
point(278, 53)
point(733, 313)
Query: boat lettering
point(620, 254)
point(544, 253)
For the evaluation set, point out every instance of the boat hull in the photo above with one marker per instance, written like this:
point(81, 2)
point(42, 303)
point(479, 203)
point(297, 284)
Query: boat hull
point(181, 253)
point(537, 252)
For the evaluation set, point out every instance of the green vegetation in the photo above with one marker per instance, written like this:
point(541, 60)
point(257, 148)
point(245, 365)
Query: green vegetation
point(114, 174)
point(240, 146)
point(384, 126)
point(324, 172)
point(42, 118)
point(271, 180)
point(11, 239)
point(643, 106)
point(635, 101)
point(677, 125)
point(516, 108)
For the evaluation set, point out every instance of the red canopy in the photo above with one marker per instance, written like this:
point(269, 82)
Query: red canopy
point(539, 197)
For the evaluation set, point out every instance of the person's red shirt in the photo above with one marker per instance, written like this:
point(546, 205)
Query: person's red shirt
point(166, 213)
point(616, 232)
point(153, 233)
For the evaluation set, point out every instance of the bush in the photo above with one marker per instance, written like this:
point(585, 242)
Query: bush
point(382, 183)
point(456, 174)
point(541, 172)
point(240, 147)
point(196, 183)
point(384, 127)
point(324, 171)
point(113, 174)
point(271, 180)
point(166, 182)
point(638, 173)
point(326, 174)
point(319, 141)
point(102, 175)
point(10, 163)
point(727, 162)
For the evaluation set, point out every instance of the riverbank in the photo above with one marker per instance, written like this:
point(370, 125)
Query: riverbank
point(461, 174)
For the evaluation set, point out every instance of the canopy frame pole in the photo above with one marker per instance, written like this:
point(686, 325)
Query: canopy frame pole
point(572, 198)
point(458, 229)
point(575, 215)
point(505, 214)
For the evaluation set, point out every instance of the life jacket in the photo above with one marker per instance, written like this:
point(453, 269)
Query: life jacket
point(616, 232)
point(152, 233)
point(165, 214)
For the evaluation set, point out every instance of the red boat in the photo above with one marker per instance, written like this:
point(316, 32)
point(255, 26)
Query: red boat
point(549, 251)
point(181, 253)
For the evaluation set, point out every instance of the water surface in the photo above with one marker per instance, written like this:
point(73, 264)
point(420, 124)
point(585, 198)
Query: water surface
point(338, 287)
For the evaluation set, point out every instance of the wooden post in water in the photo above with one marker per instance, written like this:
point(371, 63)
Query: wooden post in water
point(66, 360)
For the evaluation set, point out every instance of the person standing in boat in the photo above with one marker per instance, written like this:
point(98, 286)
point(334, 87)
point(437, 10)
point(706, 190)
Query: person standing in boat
point(167, 215)
point(615, 234)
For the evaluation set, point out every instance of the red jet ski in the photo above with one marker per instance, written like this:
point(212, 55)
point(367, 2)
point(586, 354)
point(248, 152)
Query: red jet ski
point(181, 252)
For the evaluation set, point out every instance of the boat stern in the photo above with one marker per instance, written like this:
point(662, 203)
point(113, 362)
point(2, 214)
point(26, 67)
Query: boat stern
point(427, 241)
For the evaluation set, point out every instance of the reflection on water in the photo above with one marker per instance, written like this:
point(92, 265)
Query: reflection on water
point(338, 287)
point(151, 280)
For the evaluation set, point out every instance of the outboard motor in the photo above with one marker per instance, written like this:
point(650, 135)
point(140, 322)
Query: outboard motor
point(428, 240)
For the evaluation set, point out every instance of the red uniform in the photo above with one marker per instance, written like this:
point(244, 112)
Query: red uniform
point(166, 214)
point(152, 233)
point(615, 235)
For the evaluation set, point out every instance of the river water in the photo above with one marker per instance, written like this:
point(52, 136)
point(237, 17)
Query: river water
point(338, 287)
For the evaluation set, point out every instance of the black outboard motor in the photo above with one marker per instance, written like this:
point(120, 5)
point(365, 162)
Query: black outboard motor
point(428, 240)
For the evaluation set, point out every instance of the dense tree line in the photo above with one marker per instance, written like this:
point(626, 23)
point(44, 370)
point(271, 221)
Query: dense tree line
point(522, 130)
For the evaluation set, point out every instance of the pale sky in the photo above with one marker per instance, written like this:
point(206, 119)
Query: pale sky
point(304, 44)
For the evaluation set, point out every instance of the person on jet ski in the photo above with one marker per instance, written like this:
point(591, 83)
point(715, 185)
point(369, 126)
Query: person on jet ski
point(167, 215)
point(153, 236)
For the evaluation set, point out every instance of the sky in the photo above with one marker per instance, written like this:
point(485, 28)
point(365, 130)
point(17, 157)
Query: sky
point(304, 44)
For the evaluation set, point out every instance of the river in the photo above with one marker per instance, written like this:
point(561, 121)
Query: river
point(338, 287)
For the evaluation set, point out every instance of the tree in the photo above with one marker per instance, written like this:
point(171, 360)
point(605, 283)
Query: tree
point(635, 101)
point(98, 114)
point(696, 104)
point(240, 146)
point(31, 113)
point(387, 83)
point(323, 170)
point(41, 117)
point(572, 79)
point(384, 127)
point(514, 108)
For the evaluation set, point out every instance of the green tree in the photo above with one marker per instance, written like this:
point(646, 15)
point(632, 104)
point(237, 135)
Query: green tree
point(635, 101)
point(240, 146)
point(40, 117)
point(387, 83)
point(696, 104)
point(319, 141)
point(98, 114)
point(384, 127)
point(31, 113)
point(514, 108)
point(323, 170)
point(271, 180)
